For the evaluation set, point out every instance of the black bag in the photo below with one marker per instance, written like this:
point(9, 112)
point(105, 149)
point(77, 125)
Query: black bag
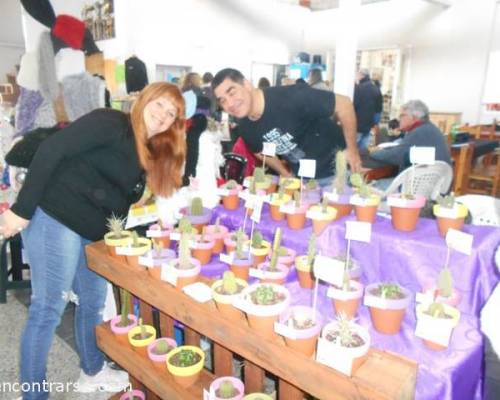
point(22, 152)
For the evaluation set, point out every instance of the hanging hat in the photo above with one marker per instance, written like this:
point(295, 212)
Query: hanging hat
point(40, 10)
point(70, 30)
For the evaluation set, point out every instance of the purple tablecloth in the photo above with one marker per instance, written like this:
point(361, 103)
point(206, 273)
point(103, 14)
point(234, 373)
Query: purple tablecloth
point(412, 260)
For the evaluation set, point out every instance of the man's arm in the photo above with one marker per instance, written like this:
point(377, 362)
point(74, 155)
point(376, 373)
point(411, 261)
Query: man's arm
point(275, 164)
point(345, 113)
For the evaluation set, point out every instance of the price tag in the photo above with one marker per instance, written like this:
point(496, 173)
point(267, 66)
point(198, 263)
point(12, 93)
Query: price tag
point(284, 330)
point(329, 355)
point(360, 231)
point(155, 233)
point(175, 236)
point(307, 168)
point(136, 220)
point(288, 208)
point(250, 201)
point(223, 192)
point(147, 261)
point(257, 211)
point(424, 298)
point(448, 212)
point(226, 258)
point(459, 241)
point(122, 251)
point(393, 201)
point(257, 273)
point(374, 301)
point(198, 291)
point(435, 330)
point(269, 149)
point(314, 214)
point(168, 274)
point(331, 196)
point(422, 155)
point(246, 182)
point(329, 270)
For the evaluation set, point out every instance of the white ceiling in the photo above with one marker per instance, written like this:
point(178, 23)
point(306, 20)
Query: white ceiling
point(11, 33)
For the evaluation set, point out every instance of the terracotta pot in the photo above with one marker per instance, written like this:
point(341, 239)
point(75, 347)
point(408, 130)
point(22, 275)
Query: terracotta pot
point(224, 302)
point(121, 333)
point(133, 253)
point(203, 251)
point(446, 223)
point(274, 206)
point(160, 360)
point(141, 345)
point(161, 234)
point(198, 221)
point(346, 302)
point(259, 255)
point(289, 259)
point(450, 218)
point(186, 376)
point(304, 340)
point(321, 220)
point(405, 212)
point(186, 276)
point(293, 186)
point(240, 267)
point(134, 394)
point(304, 272)
point(278, 277)
point(112, 244)
point(343, 210)
point(388, 315)
point(341, 202)
point(365, 208)
point(152, 259)
point(231, 202)
point(238, 385)
point(230, 243)
point(297, 220)
point(258, 396)
point(218, 237)
point(440, 323)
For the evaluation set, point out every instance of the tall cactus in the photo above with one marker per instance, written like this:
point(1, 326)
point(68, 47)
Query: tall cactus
point(340, 179)
point(197, 206)
point(311, 249)
point(296, 198)
point(229, 284)
point(125, 307)
point(259, 175)
point(445, 282)
point(240, 237)
point(364, 189)
point(276, 245)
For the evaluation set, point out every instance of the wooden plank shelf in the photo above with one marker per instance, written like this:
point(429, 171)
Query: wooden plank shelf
point(383, 376)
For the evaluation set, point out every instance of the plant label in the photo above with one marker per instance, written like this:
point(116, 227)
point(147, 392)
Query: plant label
point(459, 241)
point(257, 211)
point(284, 330)
point(329, 355)
point(445, 212)
point(326, 269)
point(307, 168)
point(288, 208)
point(360, 231)
point(374, 301)
point(208, 395)
point(226, 258)
point(434, 329)
point(358, 201)
point(155, 233)
point(424, 298)
point(168, 274)
point(198, 291)
point(269, 149)
point(393, 201)
point(147, 261)
point(246, 182)
point(175, 236)
point(331, 196)
point(136, 220)
point(314, 213)
point(257, 273)
point(223, 192)
point(422, 155)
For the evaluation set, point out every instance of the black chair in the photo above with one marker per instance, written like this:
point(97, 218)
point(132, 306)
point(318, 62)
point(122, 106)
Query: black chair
point(234, 167)
point(16, 267)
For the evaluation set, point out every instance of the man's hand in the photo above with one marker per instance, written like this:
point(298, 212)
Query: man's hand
point(354, 160)
point(12, 224)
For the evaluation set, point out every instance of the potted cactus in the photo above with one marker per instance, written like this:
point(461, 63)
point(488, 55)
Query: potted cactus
point(286, 256)
point(303, 325)
point(230, 240)
point(160, 232)
point(229, 192)
point(259, 248)
point(141, 336)
point(198, 215)
point(449, 213)
point(242, 260)
point(276, 200)
point(387, 303)
point(405, 210)
point(202, 247)
point(117, 236)
point(273, 271)
point(158, 350)
point(353, 266)
point(290, 185)
point(217, 232)
point(444, 291)
point(263, 303)
point(346, 298)
point(260, 180)
point(435, 323)
point(311, 192)
point(186, 267)
point(365, 200)
point(155, 257)
point(123, 323)
point(339, 193)
point(295, 212)
point(343, 345)
point(304, 265)
point(185, 364)
point(227, 388)
point(138, 247)
point(135, 394)
point(321, 215)
point(224, 293)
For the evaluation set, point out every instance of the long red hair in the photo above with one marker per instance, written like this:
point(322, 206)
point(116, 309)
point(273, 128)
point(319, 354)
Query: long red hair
point(163, 155)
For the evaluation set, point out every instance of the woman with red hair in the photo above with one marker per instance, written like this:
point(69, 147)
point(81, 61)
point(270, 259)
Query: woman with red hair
point(79, 177)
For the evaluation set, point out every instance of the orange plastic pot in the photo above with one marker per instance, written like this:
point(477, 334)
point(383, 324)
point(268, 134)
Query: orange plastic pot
point(366, 213)
point(231, 202)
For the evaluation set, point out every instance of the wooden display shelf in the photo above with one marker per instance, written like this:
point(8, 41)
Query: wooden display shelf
point(384, 375)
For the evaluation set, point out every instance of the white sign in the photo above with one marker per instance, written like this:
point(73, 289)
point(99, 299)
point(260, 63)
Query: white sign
point(329, 270)
point(329, 355)
point(223, 192)
point(422, 155)
point(147, 261)
point(437, 331)
point(331, 196)
point(226, 258)
point(284, 330)
point(307, 168)
point(136, 220)
point(246, 183)
point(208, 395)
point(288, 208)
point(393, 201)
point(360, 231)
point(459, 241)
point(375, 301)
point(257, 211)
point(257, 273)
point(269, 149)
point(198, 291)
point(168, 274)
point(175, 236)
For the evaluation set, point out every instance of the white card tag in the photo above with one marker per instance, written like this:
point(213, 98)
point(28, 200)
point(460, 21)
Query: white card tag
point(147, 261)
point(284, 330)
point(329, 270)
point(198, 291)
point(424, 298)
point(436, 331)
point(396, 202)
point(243, 194)
point(246, 182)
point(328, 355)
point(250, 201)
point(360, 231)
point(168, 274)
point(175, 236)
point(288, 208)
point(358, 201)
point(314, 214)
point(256, 273)
point(155, 233)
point(375, 301)
point(122, 250)
point(459, 241)
point(136, 220)
point(208, 395)
point(307, 168)
point(422, 155)
point(331, 196)
point(269, 149)
point(240, 304)
point(223, 192)
point(226, 258)
point(257, 211)
point(448, 212)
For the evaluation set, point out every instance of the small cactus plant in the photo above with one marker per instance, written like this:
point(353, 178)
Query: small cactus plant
point(346, 335)
point(240, 238)
point(227, 390)
point(390, 291)
point(275, 253)
point(185, 226)
point(447, 201)
point(281, 192)
point(158, 247)
point(296, 198)
point(184, 251)
point(197, 206)
point(445, 283)
point(257, 240)
point(231, 184)
point(229, 284)
point(125, 307)
point(436, 310)
point(340, 180)
point(115, 225)
point(324, 205)
point(162, 347)
point(311, 249)
point(144, 334)
point(364, 189)
point(259, 175)
point(265, 295)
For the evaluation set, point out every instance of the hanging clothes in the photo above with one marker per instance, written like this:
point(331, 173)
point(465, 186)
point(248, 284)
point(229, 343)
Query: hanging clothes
point(136, 77)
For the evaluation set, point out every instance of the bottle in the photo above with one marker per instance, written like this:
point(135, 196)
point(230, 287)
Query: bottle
point(453, 132)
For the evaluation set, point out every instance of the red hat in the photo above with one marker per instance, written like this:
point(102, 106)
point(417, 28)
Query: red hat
point(70, 30)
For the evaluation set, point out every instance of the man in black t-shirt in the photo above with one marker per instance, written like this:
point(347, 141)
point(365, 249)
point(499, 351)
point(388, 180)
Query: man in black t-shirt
point(296, 118)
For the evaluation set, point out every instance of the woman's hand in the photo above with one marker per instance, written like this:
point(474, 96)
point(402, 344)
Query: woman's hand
point(12, 224)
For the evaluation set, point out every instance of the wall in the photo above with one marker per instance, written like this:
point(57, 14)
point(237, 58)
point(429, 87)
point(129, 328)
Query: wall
point(9, 57)
point(11, 39)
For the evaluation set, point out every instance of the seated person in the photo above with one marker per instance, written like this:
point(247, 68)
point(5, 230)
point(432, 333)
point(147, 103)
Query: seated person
point(418, 131)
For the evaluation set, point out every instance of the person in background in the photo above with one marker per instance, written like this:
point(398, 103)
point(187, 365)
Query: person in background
point(206, 90)
point(192, 81)
point(296, 118)
point(263, 83)
point(367, 103)
point(94, 168)
point(316, 79)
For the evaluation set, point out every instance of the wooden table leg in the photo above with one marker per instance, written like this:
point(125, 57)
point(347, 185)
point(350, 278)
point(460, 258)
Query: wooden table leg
point(254, 377)
point(191, 337)
point(287, 391)
point(146, 313)
point(223, 361)
point(166, 326)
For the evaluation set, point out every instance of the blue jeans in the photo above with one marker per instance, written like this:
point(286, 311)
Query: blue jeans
point(58, 268)
point(363, 140)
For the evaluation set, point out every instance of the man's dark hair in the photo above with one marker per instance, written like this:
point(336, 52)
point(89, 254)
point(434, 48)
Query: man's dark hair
point(232, 74)
point(207, 77)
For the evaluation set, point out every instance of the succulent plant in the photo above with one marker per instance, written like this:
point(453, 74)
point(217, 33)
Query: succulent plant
point(240, 238)
point(345, 331)
point(125, 307)
point(436, 310)
point(324, 205)
point(231, 184)
point(257, 240)
point(364, 189)
point(296, 198)
point(186, 358)
point(259, 175)
point(227, 390)
point(196, 206)
point(311, 249)
point(162, 347)
point(447, 201)
point(311, 184)
point(229, 284)
point(340, 180)
point(158, 247)
point(445, 282)
point(389, 291)
point(264, 295)
point(275, 252)
point(115, 225)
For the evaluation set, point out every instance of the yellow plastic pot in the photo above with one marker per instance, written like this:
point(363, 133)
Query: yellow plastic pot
point(141, 345)
point(186, 376)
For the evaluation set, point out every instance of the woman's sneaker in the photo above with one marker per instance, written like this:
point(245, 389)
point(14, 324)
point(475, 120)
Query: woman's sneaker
point(106, 380)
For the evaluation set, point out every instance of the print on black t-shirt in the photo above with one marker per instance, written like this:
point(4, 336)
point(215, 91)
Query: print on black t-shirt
point(285, 145)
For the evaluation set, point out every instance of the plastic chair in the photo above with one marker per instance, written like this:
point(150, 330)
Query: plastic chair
point(484, 210)
point(234, 167)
